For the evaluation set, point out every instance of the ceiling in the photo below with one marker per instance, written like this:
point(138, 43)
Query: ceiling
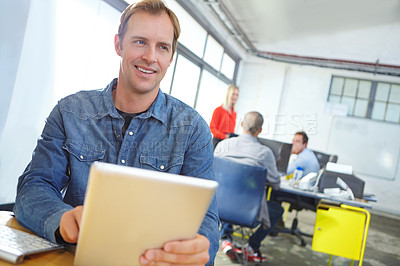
point(324, 30)
point(270, 21)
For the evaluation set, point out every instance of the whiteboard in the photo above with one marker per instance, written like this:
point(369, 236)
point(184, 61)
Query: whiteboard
point(371, 147)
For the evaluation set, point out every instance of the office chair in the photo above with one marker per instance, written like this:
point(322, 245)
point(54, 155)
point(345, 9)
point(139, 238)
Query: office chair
point(240, 192)
point(324, 158)
point(296, 203)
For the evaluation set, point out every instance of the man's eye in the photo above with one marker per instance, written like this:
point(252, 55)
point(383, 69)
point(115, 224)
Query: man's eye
point(140, 42)
point(164, 47)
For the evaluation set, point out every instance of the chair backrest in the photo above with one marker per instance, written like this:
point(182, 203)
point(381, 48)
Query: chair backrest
point(324, 158)
point(274, 145)
point(281, 151)
point(240, 191)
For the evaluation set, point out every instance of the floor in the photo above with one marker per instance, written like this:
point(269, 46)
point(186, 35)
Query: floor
point(382, 247)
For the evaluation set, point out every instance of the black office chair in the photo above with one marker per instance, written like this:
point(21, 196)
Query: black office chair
point(324, 158)
point(7, 207)
point(297, 203)
point(240, 192)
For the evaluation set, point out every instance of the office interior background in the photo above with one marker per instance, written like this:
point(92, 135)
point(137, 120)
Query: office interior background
point(335, 75)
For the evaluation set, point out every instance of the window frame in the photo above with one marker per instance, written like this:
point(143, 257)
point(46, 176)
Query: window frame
point(371, 99)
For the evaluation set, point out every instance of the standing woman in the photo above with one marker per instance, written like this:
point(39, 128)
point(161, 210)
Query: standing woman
point(224, 117)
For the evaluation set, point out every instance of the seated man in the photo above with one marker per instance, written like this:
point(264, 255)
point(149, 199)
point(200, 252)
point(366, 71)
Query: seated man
point(131, 122)
point(301, 156)
point(246, 149)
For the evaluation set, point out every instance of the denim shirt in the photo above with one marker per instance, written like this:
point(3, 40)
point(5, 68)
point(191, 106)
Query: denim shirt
point(85, 127)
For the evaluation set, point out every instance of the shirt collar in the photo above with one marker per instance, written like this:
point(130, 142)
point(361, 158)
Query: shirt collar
point(108, 99)
point(248, 137)
point(158, 109)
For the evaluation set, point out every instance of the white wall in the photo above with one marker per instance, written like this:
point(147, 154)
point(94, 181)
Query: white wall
point(30, 92)
point(296, 95)
point(42, 64)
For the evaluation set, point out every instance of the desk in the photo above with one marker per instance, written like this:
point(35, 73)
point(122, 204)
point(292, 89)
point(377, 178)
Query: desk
point(285, 187)
point(52, 258)
point(302, 199)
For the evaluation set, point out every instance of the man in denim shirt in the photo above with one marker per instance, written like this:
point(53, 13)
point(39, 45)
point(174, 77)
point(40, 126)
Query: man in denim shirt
point(130, 122)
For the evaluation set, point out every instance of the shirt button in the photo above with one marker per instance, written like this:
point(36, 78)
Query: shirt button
point(81, 156)
point(118, 136)
point(162, 167)
point(122, 161)
point(130, 133)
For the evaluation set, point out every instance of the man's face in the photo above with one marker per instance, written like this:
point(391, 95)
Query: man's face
point(298, 145)
point(146, 52)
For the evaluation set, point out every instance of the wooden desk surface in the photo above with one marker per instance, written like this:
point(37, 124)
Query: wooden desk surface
point(56, 258)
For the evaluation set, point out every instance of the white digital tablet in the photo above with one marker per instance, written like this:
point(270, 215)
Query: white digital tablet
point(128, 210)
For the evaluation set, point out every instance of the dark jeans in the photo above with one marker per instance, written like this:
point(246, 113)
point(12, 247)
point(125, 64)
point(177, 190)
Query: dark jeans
point(226, 231)
point(275, 211)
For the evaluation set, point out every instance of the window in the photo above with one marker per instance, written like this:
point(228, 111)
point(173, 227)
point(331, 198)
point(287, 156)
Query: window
point(211, 95)
point(95, 66)
point(166, 82)
point(185, 81)
point(214, 52)
point(193, 35)
point(368, 99)
point(228, 66)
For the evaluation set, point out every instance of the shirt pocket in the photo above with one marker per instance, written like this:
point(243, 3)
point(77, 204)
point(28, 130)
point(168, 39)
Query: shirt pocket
point(84, 152)
point(170, 164)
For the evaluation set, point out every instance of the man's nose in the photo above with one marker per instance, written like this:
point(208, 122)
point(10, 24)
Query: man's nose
point(150, 55)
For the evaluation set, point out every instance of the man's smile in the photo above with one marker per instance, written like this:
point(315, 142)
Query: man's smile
point(147, 71)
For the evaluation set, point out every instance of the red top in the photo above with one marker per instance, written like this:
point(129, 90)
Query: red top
point(222, 122)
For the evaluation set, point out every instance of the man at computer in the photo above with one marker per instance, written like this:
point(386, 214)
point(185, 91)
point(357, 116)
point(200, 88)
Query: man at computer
point(302, 156)
point(131, 122)
point(247, 150)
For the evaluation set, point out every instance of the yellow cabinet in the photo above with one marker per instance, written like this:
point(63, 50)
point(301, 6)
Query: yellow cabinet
point(341, 230)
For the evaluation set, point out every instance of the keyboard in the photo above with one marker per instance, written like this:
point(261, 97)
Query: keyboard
point(15, 244)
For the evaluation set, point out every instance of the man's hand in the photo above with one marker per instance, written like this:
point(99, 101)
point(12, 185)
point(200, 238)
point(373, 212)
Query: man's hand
point(189, 252)
point(70, 223)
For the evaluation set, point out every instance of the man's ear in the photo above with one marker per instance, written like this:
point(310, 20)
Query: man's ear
point(117, 45)
point(304, 146)
point(170, 61)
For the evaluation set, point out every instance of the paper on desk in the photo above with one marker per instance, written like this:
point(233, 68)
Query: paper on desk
point(339, 168)
point(339, 193)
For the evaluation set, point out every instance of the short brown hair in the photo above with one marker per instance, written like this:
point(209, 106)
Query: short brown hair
point(305, 137)
point(153, 7)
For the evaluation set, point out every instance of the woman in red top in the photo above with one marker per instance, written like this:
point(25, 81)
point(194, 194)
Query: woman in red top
point(224, 117)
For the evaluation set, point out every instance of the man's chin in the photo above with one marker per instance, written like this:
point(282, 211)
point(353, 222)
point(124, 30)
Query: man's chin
point(145, 88)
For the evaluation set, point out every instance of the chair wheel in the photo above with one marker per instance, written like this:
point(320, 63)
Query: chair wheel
point(303, 243)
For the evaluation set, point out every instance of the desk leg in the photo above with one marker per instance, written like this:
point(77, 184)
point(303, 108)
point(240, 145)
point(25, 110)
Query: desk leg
point(330, 260)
